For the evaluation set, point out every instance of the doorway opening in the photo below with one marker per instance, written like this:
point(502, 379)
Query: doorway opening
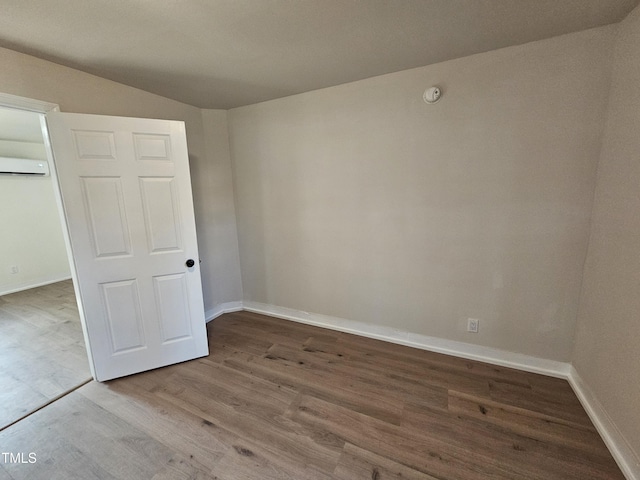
point(42, 347)
point(122, 189)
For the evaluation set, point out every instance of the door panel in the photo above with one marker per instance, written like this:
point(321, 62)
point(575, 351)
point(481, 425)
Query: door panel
point(126, 193)
point(104, 205)
point(152, 147)
point(123, 314)
point(92, 145)
point(173, 305)
point(161, 214)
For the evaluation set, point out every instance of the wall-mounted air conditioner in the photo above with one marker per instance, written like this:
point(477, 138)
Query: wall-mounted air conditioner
point(23, 166)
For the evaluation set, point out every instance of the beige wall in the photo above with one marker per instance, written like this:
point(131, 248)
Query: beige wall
point(219, 216)
point(79, 92)
point(31, 237)
point(607, 349)
point(362, 202)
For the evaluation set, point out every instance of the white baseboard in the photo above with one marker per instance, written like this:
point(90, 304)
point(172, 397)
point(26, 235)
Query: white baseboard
point(622, 452)
point(449, 347)
point(618, 446)
point(40, 282)
point(221, 308)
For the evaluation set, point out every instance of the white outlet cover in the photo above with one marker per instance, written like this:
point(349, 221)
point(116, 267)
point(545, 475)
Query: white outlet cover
point(472, 325)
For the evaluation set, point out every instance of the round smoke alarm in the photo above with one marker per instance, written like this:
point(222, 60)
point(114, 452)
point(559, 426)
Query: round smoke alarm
point(432, 95)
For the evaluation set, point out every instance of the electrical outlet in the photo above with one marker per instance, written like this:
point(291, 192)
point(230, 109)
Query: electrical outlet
point(13, 269)
point(472, 325)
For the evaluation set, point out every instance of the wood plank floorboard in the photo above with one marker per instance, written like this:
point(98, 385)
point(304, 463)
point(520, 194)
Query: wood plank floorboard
point(280, 400)
point(42, 351)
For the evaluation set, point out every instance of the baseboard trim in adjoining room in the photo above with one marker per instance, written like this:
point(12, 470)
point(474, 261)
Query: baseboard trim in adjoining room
point(624, 456)
point(34, 284)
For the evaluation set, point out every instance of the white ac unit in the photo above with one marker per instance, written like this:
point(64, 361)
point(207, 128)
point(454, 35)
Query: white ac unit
point(23, 166)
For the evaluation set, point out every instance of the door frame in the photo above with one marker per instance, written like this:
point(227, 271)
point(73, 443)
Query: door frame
point(42, 108)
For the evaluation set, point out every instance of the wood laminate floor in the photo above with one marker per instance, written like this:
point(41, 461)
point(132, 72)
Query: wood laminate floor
point(42, 353)
point(279, 400)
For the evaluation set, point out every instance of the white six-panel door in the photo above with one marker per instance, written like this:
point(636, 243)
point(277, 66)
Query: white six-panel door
point(126, 193)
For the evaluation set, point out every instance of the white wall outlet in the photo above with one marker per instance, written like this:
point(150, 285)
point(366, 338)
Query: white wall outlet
point(472, 325)
point(13, 269)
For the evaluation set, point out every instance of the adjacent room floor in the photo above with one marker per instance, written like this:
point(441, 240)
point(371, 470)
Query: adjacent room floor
point(42, 352)
point(279, 400)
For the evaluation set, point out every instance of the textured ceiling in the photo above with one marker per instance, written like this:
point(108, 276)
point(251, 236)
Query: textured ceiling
point(227, 53)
